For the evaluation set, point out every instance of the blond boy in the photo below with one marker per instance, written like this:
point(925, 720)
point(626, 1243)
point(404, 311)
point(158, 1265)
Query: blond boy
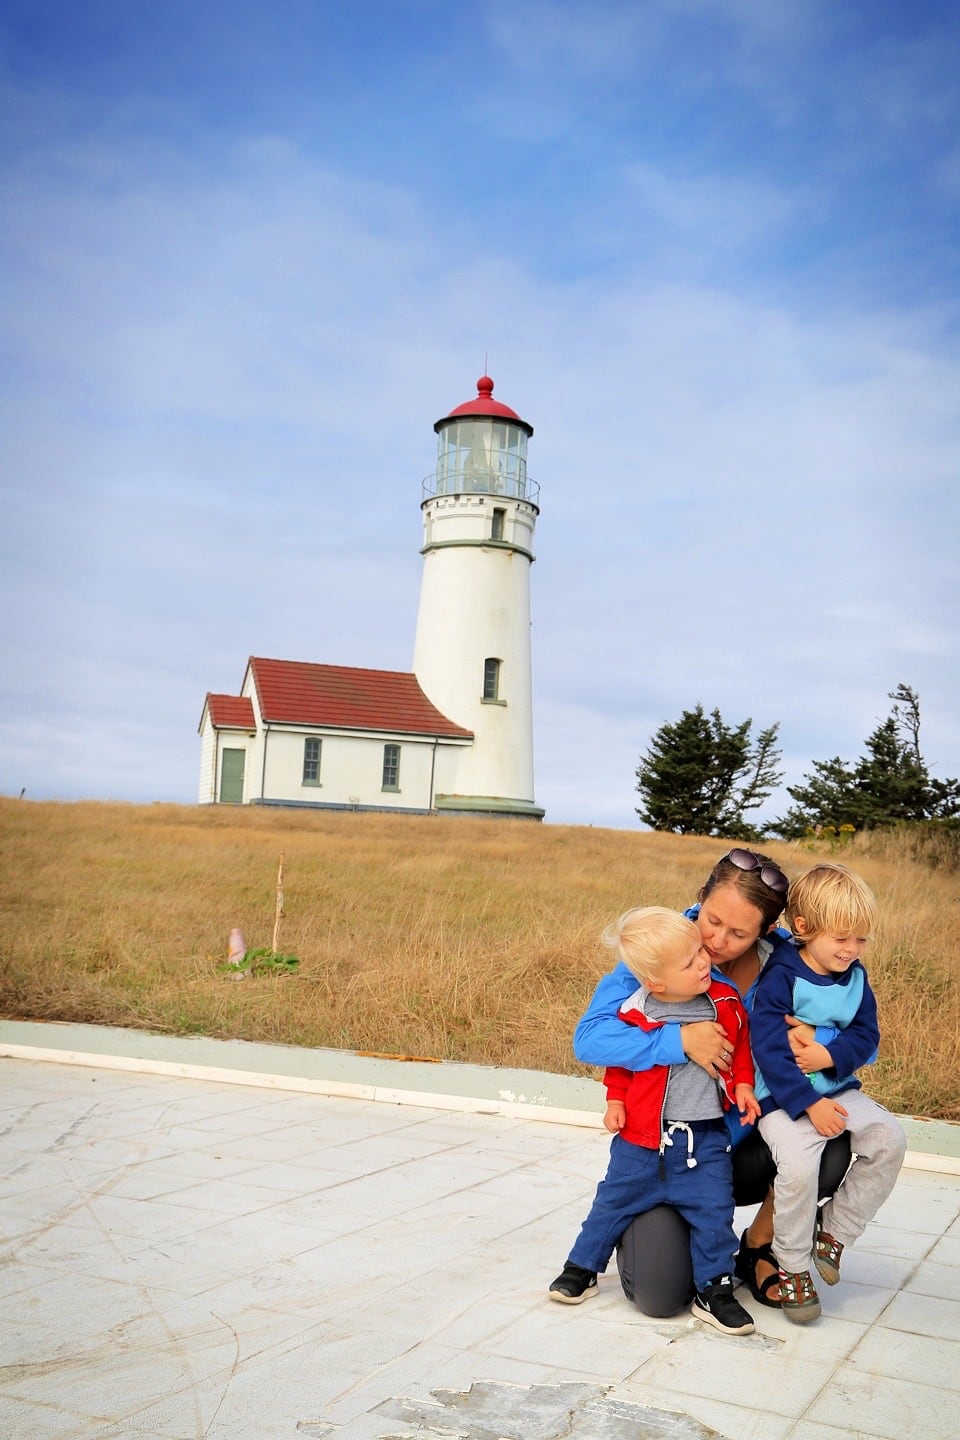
point(805, 1101)
point(671, 1145)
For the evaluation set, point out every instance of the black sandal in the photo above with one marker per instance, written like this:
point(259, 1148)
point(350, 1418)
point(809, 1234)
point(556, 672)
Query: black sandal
point(745, 1269)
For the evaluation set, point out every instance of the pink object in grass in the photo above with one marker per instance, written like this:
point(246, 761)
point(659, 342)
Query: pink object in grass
point(237, 949)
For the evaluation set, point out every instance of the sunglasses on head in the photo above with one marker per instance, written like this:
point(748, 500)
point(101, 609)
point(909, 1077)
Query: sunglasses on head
point(771, 875)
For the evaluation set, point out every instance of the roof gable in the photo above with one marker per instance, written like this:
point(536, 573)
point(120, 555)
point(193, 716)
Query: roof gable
point(231, 712)
point(295, 692)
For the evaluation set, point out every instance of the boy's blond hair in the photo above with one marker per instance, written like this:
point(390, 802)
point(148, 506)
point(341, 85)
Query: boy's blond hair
point(647, 937)
point(830, 899)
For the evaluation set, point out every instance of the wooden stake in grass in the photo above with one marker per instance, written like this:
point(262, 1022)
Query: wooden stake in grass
point(278, 915)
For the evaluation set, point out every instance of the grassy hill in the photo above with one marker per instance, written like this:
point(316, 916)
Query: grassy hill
point(431, 936)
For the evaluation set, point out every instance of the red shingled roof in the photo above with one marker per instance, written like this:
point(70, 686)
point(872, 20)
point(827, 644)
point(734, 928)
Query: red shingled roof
point(294, 692)
point(231, 712)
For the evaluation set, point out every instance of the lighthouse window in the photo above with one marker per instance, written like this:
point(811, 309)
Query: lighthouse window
point(491, 679)
point(482, 457)
point(496, 529)
point(311, 761)
point(391, 767)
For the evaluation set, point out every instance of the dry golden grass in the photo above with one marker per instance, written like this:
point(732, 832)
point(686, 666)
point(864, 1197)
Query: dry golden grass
point(430, 936)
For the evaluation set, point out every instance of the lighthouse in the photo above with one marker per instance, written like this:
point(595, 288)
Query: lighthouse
point(472, 653)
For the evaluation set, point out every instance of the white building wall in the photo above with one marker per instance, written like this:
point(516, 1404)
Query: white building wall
point(212, 745)
point(208, 761)
point(474, 605)
point(351, 770)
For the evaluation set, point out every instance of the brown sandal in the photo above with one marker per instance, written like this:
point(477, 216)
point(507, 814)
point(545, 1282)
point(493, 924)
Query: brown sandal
point(826, 1256)
point(798, 1298)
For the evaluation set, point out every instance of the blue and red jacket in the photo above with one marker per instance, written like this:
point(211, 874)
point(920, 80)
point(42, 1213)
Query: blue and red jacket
point(644, 1091)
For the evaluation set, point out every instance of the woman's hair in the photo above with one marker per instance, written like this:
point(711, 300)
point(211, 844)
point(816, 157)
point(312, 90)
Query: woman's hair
point(831, 900)
point(647, 937)
point(750, 884)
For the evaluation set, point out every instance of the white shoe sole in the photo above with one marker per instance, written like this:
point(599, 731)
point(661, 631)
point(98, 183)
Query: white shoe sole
point(710, 1319)
point(573, 1299)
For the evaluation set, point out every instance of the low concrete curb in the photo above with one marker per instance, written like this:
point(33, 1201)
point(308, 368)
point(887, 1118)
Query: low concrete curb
point(933, 1145)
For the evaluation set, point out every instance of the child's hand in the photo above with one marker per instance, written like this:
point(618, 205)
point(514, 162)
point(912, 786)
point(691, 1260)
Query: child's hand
point(747, 1104)
point(615, 1116)
point(828, 1117)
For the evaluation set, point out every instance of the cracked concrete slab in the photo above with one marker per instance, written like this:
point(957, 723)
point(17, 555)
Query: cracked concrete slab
point(567, 1411)
point(183, 1259)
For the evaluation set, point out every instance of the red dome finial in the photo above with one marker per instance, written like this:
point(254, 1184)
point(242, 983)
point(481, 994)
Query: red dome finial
point(483, 406)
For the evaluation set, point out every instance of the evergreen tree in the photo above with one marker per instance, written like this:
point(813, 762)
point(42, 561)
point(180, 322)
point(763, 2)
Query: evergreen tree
point(700, 775)
point(889, 785)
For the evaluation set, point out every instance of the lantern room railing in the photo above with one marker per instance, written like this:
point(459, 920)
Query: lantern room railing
point(480, 482)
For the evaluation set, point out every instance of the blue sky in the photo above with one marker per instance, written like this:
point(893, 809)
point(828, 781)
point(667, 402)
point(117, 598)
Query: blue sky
point(250, 251)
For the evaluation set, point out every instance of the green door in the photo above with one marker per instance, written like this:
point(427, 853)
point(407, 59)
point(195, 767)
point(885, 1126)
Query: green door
point(231, 777)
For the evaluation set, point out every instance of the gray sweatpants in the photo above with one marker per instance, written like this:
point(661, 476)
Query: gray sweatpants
point(879, 1144)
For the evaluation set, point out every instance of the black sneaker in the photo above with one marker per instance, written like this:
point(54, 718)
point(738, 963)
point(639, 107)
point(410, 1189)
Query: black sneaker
point(574, 1285)
point(717, 1306)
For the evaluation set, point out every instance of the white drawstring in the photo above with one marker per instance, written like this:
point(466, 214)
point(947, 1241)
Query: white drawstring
point(665, 1139)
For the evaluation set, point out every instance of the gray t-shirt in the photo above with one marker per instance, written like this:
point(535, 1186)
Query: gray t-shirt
point(692, 1094)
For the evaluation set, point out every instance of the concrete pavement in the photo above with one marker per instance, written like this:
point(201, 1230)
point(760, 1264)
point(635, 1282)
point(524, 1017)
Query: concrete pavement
point(191, 1258)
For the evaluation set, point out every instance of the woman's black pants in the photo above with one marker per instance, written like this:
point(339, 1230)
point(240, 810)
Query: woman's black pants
point(653, 1253)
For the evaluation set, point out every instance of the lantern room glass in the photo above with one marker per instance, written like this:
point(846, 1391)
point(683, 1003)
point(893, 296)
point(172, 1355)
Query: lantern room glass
point(482, 456)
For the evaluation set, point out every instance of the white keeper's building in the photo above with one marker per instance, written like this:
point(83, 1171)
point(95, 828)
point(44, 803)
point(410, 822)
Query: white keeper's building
point(455, 735)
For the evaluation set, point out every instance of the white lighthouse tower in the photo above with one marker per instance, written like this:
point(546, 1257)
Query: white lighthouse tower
point(472, 651)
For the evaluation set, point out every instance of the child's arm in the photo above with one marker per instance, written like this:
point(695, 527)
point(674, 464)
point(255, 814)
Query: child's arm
point(615, 1116)
point(741, 1068)
point(747, 1104)
point(858, 1043)
point(788, 1085)
point(841, 1050)
point(617, 1082)
point(738, 1041)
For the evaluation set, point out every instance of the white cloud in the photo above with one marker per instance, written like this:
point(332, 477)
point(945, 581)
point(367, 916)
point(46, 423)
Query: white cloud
point(712, 211)
point(222, 384)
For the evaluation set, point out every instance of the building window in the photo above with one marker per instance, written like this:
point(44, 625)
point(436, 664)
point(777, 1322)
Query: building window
point(311, 761)
point(391, 767)
point(496, 529)
point(491, 679)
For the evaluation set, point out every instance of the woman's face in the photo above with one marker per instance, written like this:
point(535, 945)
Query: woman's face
point(729, 925)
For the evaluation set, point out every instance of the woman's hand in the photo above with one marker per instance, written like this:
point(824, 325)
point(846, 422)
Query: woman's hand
point(705, 1042)
point(808, 1053)
point(799, 1034)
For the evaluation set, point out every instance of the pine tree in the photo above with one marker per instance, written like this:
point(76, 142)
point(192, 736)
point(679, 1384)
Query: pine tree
point(889, 785)
point(700, 775)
